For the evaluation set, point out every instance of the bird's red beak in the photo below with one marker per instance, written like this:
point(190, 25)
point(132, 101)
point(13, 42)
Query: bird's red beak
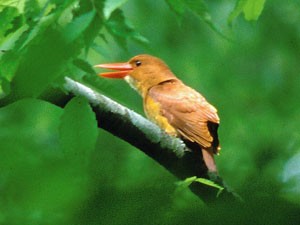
point(123, 69)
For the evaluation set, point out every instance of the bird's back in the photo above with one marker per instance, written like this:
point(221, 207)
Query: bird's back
point(180, 110)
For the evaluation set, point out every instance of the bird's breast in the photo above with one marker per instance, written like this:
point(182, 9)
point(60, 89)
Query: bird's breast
point(153, 112)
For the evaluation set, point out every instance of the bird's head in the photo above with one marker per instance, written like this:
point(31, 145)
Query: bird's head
point(142, 72)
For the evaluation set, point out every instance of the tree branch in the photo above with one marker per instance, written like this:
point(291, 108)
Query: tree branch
point(168, 151)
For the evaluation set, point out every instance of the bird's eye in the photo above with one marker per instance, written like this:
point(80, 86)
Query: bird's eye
point(138, 63)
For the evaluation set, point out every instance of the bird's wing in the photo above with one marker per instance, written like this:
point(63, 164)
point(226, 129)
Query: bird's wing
point(188, 112)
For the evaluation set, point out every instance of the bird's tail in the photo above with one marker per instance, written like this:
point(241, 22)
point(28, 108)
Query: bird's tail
point(208, 157)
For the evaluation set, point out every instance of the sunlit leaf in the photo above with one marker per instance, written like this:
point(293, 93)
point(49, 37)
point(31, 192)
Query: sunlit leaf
point(251, 9)
point(112, 5)
point(66, 16)
point(6, 17)
point(188, 181)
point(78, 131)
point(185, 183)
point(19, 4)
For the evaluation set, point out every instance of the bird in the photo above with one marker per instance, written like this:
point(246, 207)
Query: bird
point(176, 108)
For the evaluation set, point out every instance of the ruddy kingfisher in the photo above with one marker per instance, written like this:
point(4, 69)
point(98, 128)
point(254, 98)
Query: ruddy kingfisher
point(175, 107)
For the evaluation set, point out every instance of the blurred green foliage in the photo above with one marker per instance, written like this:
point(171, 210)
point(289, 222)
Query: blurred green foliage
point(56, 167)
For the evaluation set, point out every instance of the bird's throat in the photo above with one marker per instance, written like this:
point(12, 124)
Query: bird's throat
point(134, 84)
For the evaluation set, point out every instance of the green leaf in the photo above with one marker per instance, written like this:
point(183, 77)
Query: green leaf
point(8, 57)
point(48, 16)
point(13, 3)
point(35, 178)
point(75, 29)
point(6, 17)
point(77, 69)
point(78, 131)
point(11, 61)
point(239, 6)
point(208, 183)
point(42, 63)
point(4, 87)
point(112, 5)
point(92, 31)
point(198, 7)
point(121, 30)
point(181, 185)
point(251, 9)
point(32, 11)
point(10, 40)
point(66, 16)
point(188, 181)
point(84, 66)
point(38, 29)
point(178, 7)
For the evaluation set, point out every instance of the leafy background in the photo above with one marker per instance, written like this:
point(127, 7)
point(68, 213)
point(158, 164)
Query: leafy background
point(57, 167)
